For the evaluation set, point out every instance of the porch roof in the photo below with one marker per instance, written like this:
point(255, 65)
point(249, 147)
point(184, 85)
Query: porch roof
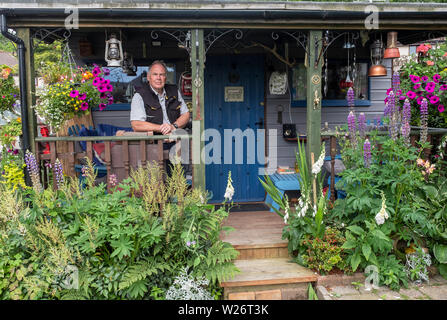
point(225, 14)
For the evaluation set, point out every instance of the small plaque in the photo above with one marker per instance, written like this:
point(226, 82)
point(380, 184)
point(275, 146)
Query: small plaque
point(234, 94)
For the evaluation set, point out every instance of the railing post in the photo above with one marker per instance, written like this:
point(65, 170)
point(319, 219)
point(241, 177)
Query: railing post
point(333, 153)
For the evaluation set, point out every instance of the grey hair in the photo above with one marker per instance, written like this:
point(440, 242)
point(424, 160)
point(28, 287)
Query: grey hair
point(159, 62)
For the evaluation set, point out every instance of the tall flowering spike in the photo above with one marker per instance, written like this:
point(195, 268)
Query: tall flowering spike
point(33, 170)
point(362, 124)
point(352, 126)
point(382, 215)
point(350, 96)
point(367, 153)
point(396, 82)
point(316, 168)
point(424, 120)
point(406, 117)
point(58, 172)
point(229, 192)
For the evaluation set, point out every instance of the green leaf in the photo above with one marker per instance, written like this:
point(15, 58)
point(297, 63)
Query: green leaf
point(356, 229)
point(196, 261)
point(440, 252)
point(379, 234)
point(355, 261)
point(349, 244)
point(366, 249)
point(443, 270)
point(431, 192)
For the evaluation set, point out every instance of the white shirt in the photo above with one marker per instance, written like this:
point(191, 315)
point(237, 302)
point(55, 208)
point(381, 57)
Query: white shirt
point(138, 112)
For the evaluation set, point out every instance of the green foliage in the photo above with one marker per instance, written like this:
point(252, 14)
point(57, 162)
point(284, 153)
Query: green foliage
point(392, 272)
point(312, 295)
point(120, 250)
point(324, 254)
point(9, 91)
point(305, 220)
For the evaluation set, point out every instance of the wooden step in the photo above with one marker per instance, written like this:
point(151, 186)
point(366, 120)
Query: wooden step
point(256, 235)
point(278, 278)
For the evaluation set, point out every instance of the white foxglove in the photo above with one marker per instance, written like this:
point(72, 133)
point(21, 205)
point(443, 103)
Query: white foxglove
point(382, 215)
point(229, 192)
point(316, 168)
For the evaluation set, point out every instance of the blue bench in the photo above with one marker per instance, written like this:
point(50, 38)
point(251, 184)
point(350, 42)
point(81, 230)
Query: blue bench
point(283, 182)
point(289, 182)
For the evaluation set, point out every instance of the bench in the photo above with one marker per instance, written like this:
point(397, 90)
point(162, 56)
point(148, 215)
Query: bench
point(289, 182)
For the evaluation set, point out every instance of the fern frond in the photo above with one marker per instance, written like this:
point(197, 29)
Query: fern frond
point(141, 270)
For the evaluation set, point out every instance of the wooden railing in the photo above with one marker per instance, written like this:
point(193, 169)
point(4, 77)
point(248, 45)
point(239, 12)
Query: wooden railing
point(121, 153)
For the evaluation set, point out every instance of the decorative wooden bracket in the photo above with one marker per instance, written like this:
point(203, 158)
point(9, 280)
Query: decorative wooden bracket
point(274, 52)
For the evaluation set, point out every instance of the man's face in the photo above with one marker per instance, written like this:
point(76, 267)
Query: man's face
point(157, 77)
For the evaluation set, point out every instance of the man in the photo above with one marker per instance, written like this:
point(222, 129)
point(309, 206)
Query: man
point(158, 107)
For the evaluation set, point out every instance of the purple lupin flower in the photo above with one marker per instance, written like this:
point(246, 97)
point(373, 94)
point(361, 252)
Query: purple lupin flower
point(396, 82)
point(362, 124)
point(367, 153)
point(352, 126)
point(350, 96)
point(424, 120)
point(406, 117)
point(58, 172)
point(33, 170)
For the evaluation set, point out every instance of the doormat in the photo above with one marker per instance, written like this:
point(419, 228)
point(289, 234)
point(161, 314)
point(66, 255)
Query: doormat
point(245, 207)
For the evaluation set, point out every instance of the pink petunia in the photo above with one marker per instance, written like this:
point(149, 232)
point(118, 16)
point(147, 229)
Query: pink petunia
point(417, 86)
point(419, 100)
point(84, 106)
point(102, 88)
point(443, 87)
point(109, 87)
point(106, 71)
point(436, 78)
point(102, 106)
point(441, 108)
point(430, 87)
point(74, 93)
point(434, 99)
point(424, 78)
point(102, 95)
point(411, 94)
point(96, 82)
point(96, 71)
point(415, 79)
point(82, 96)
point(106, 81)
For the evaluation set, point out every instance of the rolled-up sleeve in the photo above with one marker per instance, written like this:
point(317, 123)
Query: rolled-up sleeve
point(137, 111)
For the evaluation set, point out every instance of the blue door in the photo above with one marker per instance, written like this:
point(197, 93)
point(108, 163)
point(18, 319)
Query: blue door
point(234, 110)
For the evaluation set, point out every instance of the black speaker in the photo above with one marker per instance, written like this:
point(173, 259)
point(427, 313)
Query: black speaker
point(289, 130)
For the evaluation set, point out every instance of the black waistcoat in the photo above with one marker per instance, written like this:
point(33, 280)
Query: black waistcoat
point(154, 113)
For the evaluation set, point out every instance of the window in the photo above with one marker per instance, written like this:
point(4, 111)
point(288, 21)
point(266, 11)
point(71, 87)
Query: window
point(337, 86)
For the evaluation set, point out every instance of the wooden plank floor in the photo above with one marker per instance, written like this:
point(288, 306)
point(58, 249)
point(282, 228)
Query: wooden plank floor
point(275, 271)
point(254, 229)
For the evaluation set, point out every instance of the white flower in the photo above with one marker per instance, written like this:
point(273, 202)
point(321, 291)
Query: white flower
point(316, 168)
point(185, 287)
point(229, 192)
point(382, 215)
point(287, 210)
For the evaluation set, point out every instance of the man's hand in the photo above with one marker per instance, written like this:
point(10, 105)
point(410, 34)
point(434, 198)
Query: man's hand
point(166, 128)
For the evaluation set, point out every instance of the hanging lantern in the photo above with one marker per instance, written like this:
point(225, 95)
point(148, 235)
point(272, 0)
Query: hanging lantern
point(392, 51)
point(128, 67)
point(377, 69)
point(114, 52)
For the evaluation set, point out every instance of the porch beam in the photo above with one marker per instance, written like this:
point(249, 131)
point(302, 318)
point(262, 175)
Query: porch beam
point(313, 115)
point(197, 57)
point(25, 35)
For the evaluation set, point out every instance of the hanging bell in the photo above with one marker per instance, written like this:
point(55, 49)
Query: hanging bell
point(392, 51)
point(377, 69)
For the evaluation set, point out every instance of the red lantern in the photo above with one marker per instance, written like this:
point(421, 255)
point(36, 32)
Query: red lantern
point(186, 84)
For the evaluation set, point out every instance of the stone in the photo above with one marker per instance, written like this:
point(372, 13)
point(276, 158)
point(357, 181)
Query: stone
point(412, 294)
point(342, 290)
point(340, 279)
point(435, 292)
point(241, 296)
point(299, 293)
point(368, 296)
point(323, 294)
point(268, 295)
